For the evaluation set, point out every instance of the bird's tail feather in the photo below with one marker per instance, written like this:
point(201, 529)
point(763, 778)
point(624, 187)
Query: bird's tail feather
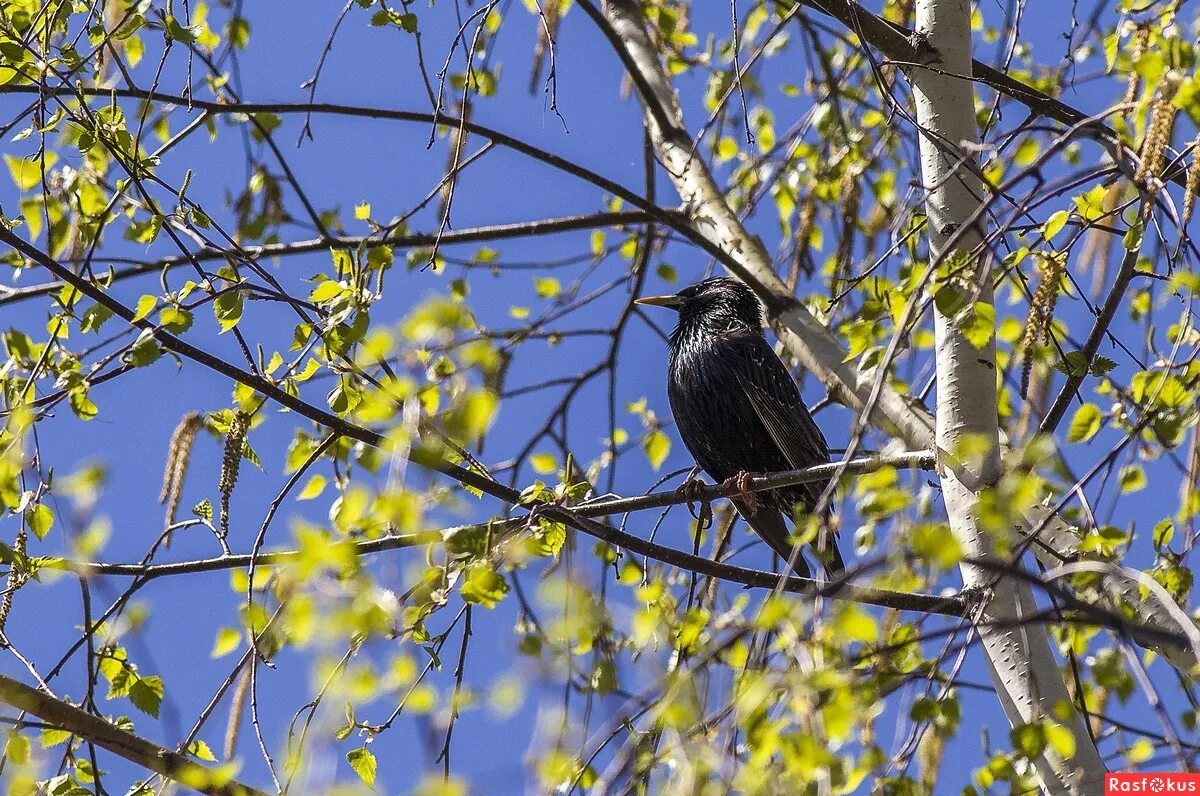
point(771, 527)
point(832, 557)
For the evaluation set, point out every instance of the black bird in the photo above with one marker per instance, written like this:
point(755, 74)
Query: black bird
point(738, 410)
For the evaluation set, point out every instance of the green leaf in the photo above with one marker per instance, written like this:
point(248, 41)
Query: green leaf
point(178, 32)
point(94, 317)
point(228, 309)
point(1140, 751)
point(200, 750)
point(484, 586)
point(1132, 239)
point(1061, 739)
point(1085, 424)
point(379, 258)
point(547, 287)
point(949, 301)
point(362, 211)
point(1164, 532)
point(225, 642)
point(1074, 363)
point(1027, 152)
point(237, 31)
point(314, 487)
point(175, 319)
point(145, 306)
point(852, 623)
point(54, 737)
point(92, 200)
point(543, 462)
point(979, 325)
point(203, 510)
point(1055, 223)
point(27, 174)
point(1133, 478)
point(146, 694)
point(40, 520)
point(144, 231)
point(727, 148)
point(363, 763)
point(16, 749)
point(1029, 739)
point(657, 445)
point(83, 406)
point(936, 544)
point(267, 122)
point(1091, 204)
point(326, 291)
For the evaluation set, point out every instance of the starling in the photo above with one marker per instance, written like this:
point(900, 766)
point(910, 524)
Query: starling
point(738, 410)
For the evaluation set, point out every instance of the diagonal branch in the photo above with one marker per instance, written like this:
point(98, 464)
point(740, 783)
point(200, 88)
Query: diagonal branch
point(666, 217)
point(134, 748)
point(1090, 348)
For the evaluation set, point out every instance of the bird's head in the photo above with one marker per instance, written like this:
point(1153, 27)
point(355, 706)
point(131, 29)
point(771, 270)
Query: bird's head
point(712, 306)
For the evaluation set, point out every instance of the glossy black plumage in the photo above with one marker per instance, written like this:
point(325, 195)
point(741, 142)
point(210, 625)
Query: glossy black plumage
point(737, 408)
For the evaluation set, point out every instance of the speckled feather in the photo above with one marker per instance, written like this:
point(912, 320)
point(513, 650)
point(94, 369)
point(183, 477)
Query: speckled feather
point(737, 408)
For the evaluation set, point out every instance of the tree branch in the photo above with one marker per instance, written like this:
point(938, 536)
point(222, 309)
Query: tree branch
point(897, 43)
point(546, 226)
point(665, 217)
point(1091, 347)
point(579, 517)
point(135, 749)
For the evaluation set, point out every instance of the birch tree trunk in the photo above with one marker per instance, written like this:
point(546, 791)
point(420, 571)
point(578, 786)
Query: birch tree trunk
point(1023, 667)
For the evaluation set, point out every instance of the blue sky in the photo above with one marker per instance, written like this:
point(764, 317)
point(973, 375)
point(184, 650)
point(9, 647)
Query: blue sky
point(386, 164)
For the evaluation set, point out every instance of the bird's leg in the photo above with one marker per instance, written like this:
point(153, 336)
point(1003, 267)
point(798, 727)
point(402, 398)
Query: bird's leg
point(742, 482)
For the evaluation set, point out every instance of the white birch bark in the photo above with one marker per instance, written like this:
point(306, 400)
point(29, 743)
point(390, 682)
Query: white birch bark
point(1024, 669)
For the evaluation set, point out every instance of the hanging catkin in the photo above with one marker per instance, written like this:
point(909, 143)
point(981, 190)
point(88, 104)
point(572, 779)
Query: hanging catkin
point(235, 442)
point(1193, 183)
point(1041, 310)
point(179, 454)
point(1158, 130)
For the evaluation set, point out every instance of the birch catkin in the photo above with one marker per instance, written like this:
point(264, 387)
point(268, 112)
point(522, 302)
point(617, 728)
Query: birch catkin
point(231, 462)
point(1041, 310)
point(1158, 129)
point(1193, 183)
point(179, 453)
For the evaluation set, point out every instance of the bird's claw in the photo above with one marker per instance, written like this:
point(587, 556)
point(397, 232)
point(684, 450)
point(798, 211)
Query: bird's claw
point(700, 509)
point(741, 482)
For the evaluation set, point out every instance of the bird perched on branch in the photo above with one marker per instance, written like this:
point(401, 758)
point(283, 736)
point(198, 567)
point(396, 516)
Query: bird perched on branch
point(739, 412)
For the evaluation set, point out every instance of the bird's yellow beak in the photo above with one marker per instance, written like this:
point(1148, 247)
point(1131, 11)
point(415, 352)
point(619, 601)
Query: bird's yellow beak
point(671, 302)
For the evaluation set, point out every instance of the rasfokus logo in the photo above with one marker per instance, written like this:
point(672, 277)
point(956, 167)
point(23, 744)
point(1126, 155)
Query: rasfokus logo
point(1151, 783)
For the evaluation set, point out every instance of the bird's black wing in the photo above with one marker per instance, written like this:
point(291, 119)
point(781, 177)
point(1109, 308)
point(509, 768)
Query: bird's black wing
point(776, 402)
